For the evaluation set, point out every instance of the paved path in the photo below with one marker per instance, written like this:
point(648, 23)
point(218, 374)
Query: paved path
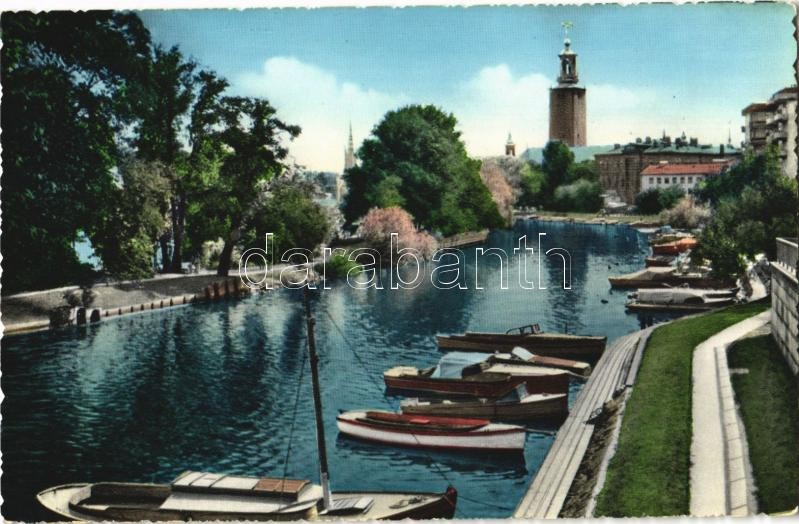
point(720, 477)
point(615, 370)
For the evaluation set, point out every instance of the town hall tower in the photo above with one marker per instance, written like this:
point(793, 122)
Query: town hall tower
point(567, 100)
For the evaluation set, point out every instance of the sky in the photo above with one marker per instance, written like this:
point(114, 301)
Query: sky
point(649, 68)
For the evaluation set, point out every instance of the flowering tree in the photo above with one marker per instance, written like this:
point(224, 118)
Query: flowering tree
point(495, 179)
point(378, 225)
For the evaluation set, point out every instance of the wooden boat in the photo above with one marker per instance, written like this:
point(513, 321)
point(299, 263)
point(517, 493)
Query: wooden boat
point(665, 277)
point(209, 496)
point(522, 357)
point(443, 433)
point(680, 299)
point(543, 344)
point(674, 247)
point(466, 374)
point(660, 261)
point(518, 406)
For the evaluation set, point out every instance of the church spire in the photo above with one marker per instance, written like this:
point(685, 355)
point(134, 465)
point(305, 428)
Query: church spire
point(349, 153)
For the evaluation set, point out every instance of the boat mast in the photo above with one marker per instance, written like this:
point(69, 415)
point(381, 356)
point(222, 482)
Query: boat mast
point(324, 476)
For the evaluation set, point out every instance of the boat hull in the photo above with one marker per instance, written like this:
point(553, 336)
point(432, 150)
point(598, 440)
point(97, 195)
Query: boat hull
point(386, 506)
point(548, 407)
point(580, 347)
point(492, 437)
point(548, 383)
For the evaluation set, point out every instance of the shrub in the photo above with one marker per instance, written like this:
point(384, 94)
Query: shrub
point(687, 214)
point(378, 224)
point(583, 195)
point(655, 200)
point(338, 266)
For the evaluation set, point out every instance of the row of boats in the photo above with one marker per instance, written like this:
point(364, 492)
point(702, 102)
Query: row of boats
point(472, 393)
point(663, 286)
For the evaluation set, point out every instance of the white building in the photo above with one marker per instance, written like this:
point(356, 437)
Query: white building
point(685, 176)
point(774, 122)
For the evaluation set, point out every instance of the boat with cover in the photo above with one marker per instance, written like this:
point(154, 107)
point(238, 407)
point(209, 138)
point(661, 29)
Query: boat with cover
point(468, 374)
point(529, 337)
point(665, 277)
point(674, 247)
point(434, 432)
point(680, 299)
point(519, 405)
point(211, 496)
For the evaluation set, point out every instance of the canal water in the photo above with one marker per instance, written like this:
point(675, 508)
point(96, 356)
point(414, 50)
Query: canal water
point(225, 387)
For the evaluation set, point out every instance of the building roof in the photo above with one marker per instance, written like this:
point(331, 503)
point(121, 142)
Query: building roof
point(661, 147)
point(756, 107)
point(685, 169)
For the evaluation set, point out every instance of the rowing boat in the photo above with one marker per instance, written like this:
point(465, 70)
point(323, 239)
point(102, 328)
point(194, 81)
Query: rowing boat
point(543, 344)
point(434, 432)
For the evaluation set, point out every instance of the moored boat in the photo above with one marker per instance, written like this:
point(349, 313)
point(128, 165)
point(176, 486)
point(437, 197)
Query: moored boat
point(665, 277)
point(660, 261)
point(434, 432)
point(680, 299)
point(209, 497)
point(467, 374)
point(517, 406)
point(674, 247)
point(523, 357)
point(543, 344)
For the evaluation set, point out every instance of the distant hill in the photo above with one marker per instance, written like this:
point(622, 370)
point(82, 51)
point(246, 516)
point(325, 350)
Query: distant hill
point(580, 153)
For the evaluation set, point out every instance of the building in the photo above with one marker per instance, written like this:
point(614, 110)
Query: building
point(620, 168)
point(785, 301)
point(774, 122)
point(349, 162)
point(567, 101)
point(510, 147)
point(684, 176)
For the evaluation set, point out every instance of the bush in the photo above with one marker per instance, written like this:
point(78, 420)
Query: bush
point(655, 200)
point(338, 266)
point(687, 214)
point(583, 195)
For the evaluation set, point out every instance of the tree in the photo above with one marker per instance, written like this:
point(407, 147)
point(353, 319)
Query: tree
point(71, 81)
point(583, 196)
point(253, 135)
point(124, 237)
point(501, 191)
point(687, 214)
point(759, 171)
point(416, 158)
point(585, 170)
point(655, 200)
point(294, 218)
point(379, 224)
point(533, 181)
point(557, 164)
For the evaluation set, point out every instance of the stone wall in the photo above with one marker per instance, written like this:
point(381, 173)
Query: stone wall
point(785, 311)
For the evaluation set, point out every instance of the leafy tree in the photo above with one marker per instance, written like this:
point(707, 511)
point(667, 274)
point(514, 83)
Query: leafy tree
point(759, 171)
point(655, 200)
point(501, 191)
point(533, 181)
point(745, 225)
point(253, 135)
point(687, 214)
point(70, 86)
point(379, 224)
point(585, 170)
point(583, 195)
point(294, 218)
point(416, 158)
point(557, 165)
point(124, 237)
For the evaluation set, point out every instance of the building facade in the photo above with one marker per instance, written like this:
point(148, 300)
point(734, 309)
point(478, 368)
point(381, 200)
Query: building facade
point(620, 168)
point(774, 122)
point(684, 176)
point(785, 301)
point(567, 106)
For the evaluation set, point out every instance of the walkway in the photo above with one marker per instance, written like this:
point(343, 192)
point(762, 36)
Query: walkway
point(720, 474)
point(615, 370)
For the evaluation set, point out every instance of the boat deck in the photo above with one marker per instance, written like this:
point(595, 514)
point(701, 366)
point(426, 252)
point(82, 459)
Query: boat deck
point(615, 370)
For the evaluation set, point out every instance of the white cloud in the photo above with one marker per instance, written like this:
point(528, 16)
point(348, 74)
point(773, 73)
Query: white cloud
point(322, 105)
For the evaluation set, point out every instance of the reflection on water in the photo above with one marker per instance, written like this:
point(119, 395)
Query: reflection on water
point(225, 387)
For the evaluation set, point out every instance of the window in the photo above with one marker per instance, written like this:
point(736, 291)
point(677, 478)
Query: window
point(674, 180)
point(666, 180)
point(658, 180)
point(682, 180)
point(690, 180)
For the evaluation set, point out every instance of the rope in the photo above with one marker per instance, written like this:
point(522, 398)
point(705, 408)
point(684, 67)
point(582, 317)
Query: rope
point(422, 449)
point(293, 423)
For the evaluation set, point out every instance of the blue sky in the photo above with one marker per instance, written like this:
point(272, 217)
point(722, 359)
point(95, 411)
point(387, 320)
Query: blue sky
point(685, 68)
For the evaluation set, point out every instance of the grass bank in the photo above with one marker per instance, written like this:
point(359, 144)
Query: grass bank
point(767, 395)
point(650, 472)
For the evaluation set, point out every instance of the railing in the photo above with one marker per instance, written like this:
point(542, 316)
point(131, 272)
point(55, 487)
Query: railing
point(787, 253)
point(464, 239)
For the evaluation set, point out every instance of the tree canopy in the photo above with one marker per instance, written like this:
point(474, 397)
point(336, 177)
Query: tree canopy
point(416, 159)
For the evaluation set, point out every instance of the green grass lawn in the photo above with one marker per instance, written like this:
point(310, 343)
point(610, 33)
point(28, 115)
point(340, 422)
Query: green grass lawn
point(649, 474)
point(768, 396)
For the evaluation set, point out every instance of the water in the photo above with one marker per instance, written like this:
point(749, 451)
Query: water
point(225, 387)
